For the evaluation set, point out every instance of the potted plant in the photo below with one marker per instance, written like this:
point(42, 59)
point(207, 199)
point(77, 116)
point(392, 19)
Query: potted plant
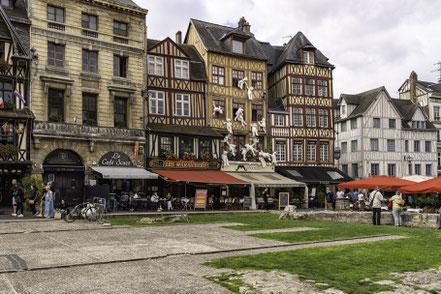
point(8, 150)
point(169, 154)
point(8, 106)
point(55, 117)
point(120, 124)
point(188, 156)
point(91, 122)
point(206, 156)
point(4, 65)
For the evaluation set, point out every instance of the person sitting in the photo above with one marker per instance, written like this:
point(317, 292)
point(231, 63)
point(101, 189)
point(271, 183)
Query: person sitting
point(155, 201)
point(124, 200)
point(169, 202)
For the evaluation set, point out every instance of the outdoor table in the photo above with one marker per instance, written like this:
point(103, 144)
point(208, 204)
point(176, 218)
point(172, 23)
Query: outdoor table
point(415, 210)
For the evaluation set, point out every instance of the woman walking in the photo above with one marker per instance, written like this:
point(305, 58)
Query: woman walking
point(49, 210)
point(396, 208)
point(33, 199)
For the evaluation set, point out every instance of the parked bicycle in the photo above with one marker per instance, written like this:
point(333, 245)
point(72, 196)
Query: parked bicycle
point(92, 212)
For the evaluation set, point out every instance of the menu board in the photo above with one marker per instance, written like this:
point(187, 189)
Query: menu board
point(283, 199)
point(201, 199)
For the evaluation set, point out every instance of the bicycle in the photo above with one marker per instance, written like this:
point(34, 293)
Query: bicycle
point(92, 212)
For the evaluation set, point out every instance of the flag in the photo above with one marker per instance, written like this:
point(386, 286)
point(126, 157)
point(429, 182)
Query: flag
point(18, 95)
point(2, 104)
point(5, 127)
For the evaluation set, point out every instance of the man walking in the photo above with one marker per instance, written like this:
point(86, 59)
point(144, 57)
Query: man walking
point(13, 196)
point(265, 198)
point(375, 199)
point(329, 199)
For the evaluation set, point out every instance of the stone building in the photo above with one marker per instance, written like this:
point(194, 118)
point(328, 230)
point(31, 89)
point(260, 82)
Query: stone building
point(87, 89)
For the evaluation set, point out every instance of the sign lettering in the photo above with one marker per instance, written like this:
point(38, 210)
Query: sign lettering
point(201, 199)
point(184, 164)
point(283, 199)
point(115, 159)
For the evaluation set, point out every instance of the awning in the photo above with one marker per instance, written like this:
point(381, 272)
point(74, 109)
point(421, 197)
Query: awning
point(129, 173)
point(314, 174)
point(268, 179)
point(384, 182)
point(201, 176)
point(429, 186)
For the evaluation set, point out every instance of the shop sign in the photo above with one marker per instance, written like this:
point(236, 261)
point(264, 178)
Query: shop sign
point(251, 167)
point(115, 159)
point(200, 199)
point(283, 199)
point(136, 150)
point(184, 164)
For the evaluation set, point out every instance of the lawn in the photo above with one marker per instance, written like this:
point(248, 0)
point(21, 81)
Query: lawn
point(343, 267)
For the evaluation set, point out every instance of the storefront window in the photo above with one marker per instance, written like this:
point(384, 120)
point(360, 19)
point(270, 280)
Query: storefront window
point(166, 144)
point(204, 146)
point(185, 145)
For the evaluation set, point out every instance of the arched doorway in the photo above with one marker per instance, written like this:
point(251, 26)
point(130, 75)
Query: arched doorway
point(66, 170)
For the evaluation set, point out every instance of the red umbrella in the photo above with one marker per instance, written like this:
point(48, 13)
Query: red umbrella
point(384, 182)
point(429, 186)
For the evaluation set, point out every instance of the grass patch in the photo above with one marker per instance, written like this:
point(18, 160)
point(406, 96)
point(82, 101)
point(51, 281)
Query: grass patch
point(231, 281)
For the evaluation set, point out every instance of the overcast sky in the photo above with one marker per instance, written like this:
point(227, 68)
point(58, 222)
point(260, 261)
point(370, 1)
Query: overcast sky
point(371, 43)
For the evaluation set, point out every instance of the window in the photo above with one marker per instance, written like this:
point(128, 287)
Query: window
point(324, 151)
point(256, 80)
point(343, 109)
point(89, 109)
point(355, 170)
point(2, 49)
point(90, 61)
point(296, 84)
point(55, 13)
point(418, 169)
point(236, 107)
point(239, 141)
point(308, 57)
point(7, 137)
point(344, 147)
point(182, 104)
point(391, 170)
point(237, 46)
point(390, 145)
point(89, 22)
point(418, 124)
point(438, 136)
point(166, 144)
point(311, 151)
point(323, 118)
point(428, 147)
point(256, 112)
point(353, 124)
point(354, 146)
point(156, 65)
point(310, 117)
point(182, 69)
point(297, 117)
point(406, 146)
point(410, 168)
point(237, 76)
point(375, 169)
point(185, 145)
point(374, 144)
point(120, 112)
point(309, 87)
point(221, 104)
point(157, 102)
point(322, 88)
point(392, 123)
point(344, 168)
point(56, 105)
point(416, 146)
point(428, 169)
point(204, 146)
point(439, 158)
point(120, 66)
point(279, 120)
point(120, 28)
point(218, 75)
point(55, 54)
point(297, 151)
point(281, 150)
point(377, 123)
point(436, 113)
point(6, 92)
point(344, 126)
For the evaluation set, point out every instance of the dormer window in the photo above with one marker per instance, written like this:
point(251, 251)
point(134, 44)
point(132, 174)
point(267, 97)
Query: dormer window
point(237, 46)
point(308, 57)
point(182, 69)
point(343, 109)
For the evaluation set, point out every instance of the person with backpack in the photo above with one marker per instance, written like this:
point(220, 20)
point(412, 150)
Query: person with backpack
point(375, 199)
point(397, 203)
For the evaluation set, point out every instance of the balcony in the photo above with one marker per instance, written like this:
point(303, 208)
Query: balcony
point(89, 33)
point(56, 26)
point(45, 129)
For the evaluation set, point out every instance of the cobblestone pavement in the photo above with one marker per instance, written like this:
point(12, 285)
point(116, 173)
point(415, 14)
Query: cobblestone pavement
point(57, 257)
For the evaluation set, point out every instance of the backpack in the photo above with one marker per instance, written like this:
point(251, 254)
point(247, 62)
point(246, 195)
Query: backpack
point(372, 200)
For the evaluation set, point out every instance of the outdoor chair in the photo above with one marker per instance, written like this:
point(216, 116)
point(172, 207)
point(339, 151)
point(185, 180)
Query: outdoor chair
point(229, 203)
point(260, 203)
point(236, 203)
point(177, 203)
point(210, 202)
point(270, 202)
point(191, 203)
point(184, 203)
point(222, 203)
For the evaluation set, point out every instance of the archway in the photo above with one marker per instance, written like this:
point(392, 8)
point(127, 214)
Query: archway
point(65, 169)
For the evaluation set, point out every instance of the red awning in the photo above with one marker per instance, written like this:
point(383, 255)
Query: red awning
point(209, 177)
point(429, 186)
point(384, 182)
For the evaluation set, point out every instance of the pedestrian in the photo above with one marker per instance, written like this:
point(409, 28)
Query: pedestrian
point(329, 198)
point(375, 199)
point(33, 199)
point(13, 195)
point(49, 210)
point(265, 199)
point(42, 199)
point(169, 201)
point(396, 208)
point(19, 198)
point(340, 193)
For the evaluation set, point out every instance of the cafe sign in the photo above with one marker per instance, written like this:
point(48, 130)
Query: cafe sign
point(184, 164)
point(115, 159)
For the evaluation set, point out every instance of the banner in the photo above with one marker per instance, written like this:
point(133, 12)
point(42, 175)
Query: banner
point(201, 199)
point(136, 150)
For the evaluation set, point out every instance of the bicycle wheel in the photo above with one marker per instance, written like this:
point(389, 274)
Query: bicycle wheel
point(91, 214)
point(72, 216)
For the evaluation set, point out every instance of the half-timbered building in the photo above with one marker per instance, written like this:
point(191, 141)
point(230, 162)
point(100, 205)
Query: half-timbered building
point(379, 135)
point(16, 117)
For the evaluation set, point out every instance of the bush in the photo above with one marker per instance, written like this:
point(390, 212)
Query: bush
point(27, 183)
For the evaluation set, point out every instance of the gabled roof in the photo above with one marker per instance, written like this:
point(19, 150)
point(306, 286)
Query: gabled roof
point(362, 100)
point(407, 110)
point(16, 27)
point(435, 87)
point(292, 52)
point(214, 38)
point(197, 66)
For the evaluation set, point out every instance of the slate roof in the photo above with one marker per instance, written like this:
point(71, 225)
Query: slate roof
point(362, 100)
point(407, 109)
point(276, 105)
point(197, 67)
point(292, 53)
point(436, 87)
point(215, 38)
point(17, 17)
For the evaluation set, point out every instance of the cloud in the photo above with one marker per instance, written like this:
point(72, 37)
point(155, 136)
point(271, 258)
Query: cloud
point(371, 43)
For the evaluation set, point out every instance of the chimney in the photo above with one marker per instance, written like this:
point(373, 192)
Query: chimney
point(241, 22)
point(178, 37)
point(247, 27)
point(413, 78)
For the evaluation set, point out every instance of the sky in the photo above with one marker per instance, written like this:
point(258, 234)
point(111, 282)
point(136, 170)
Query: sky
point(371, 43)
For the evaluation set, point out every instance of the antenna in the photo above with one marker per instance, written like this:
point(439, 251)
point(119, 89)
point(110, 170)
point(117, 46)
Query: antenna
point(290, 36)
point(438, 64)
